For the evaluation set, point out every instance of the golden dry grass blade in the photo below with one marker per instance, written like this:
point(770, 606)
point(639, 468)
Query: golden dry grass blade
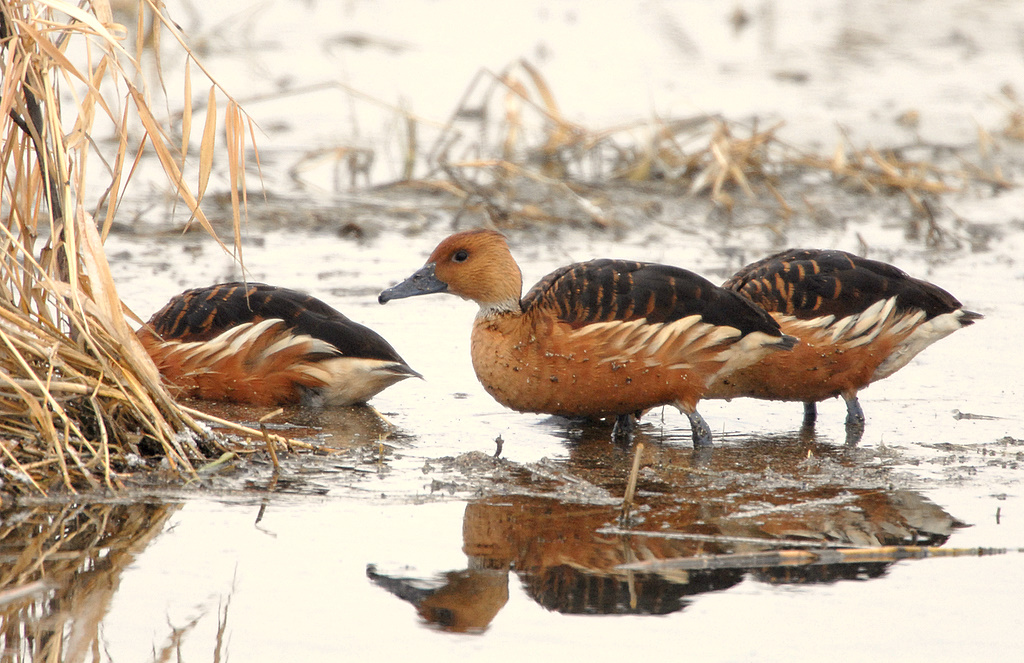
point(235, 138)
point(104, 450)
point(255, 147)
point(516, 93)
point(167, 161)
point(561, 132)
point(206, 147)
point(103, 12)
point(113, 191)
point(546, 95)
point(156, 8)
point(140, 29)
point(101, 282)
point(186, 117)
point(154, 43)
point(87, 108)
point(48, 48)
point(89, 20)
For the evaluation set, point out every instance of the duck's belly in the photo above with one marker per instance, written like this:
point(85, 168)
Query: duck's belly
point(557, 373)
point(816, 369)
point(808, 373)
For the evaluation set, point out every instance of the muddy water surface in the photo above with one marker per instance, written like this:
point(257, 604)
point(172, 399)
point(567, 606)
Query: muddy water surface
point(412, 540)
point(417, 541)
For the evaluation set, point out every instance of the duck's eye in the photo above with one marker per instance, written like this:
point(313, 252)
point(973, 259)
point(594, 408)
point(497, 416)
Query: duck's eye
point(460, 255)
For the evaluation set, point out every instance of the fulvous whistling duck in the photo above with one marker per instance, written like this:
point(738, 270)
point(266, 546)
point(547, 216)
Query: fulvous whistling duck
point(858, 321)
point(264, 345)
point(605, 338)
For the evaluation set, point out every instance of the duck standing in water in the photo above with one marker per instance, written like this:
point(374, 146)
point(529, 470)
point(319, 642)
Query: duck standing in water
point(264, 345)
point(858, 321)
point(605, 338)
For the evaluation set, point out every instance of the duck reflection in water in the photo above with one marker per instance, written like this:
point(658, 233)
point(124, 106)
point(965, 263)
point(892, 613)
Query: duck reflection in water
point(568, 555)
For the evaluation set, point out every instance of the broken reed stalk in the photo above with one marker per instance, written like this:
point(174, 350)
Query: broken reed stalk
point(634, 473)
point(803, 557)
point(267, 438)
point(80, 400)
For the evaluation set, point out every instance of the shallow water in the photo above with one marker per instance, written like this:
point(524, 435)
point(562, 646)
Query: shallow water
point(427, 546)
point(430, 547)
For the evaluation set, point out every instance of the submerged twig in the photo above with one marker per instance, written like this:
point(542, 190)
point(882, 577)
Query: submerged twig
point(253, 433)
point(804, 557)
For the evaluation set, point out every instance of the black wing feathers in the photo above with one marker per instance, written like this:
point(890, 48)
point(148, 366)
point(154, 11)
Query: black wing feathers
point(203, 313)
point(809, 283)
point(606, 290)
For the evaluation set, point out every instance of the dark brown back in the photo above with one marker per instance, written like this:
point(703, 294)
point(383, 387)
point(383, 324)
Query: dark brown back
point(203, 313)
point(809, 283)
point(606, 290)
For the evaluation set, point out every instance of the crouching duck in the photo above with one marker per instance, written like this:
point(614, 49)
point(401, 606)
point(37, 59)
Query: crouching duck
point(605, 338)
point(858, 321)
point(264, 345)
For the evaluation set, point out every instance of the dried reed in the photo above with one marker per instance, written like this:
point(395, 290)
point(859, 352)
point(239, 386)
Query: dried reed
point(509, 149)
point(80, 401)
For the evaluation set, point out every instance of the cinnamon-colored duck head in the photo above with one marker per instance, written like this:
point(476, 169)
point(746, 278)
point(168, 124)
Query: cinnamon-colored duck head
point(475, 265)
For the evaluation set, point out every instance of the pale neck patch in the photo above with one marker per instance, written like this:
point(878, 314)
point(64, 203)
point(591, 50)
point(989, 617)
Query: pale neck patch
point(492, 309)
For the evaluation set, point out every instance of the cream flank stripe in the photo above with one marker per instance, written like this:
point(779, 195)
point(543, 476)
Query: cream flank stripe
point(658, 343)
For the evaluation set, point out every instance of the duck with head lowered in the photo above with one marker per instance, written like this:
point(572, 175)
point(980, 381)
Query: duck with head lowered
point(604, 338)
point(266, 345)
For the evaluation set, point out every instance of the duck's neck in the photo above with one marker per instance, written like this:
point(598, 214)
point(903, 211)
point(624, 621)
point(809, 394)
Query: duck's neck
point(496, 309)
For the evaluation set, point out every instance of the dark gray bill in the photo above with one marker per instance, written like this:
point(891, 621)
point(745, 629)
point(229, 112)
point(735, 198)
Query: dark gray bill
point(423, 282)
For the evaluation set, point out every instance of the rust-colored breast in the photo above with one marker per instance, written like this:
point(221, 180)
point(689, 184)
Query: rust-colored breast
point(808, 283)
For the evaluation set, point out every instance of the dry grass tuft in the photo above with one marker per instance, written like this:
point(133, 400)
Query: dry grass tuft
point(507, 150)
point(80, 401)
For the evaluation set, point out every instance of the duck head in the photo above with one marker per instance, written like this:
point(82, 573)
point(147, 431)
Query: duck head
point(475, 265)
